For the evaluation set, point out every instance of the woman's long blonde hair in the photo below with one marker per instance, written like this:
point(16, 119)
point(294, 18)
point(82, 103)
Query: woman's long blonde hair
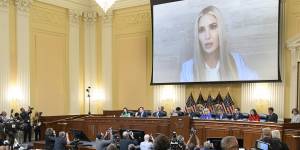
point(227, 65)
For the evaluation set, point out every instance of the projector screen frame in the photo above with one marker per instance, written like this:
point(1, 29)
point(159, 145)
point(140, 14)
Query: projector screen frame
point(279, 50)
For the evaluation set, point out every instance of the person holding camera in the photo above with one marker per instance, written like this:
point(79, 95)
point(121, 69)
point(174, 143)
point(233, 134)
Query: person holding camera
point(102, 141)
point(61, 141)
point(49, 139)
point(193, 135)
point(25, 115)
point(148, 142)
point(37, 125)
point(127, 139)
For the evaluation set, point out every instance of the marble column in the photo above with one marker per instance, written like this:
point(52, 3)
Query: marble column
point(90, 54)
point(74, 59)
point(23, 50)
point(4, 55)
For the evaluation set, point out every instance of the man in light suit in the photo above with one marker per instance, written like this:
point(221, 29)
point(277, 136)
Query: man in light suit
point(272, 117)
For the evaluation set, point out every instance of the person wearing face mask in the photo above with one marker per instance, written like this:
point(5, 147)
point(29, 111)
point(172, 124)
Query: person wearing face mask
point(212, 61)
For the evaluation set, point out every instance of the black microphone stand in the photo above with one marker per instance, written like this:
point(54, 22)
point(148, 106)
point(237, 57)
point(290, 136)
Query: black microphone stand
point(89, 96)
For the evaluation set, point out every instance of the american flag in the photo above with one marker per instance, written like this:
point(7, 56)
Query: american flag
point(201, 101)
point(190, 105)
point(210, 104)
point(229, 104)
point(219, 101)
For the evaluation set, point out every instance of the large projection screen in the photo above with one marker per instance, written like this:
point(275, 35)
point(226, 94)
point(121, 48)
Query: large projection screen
point(213, 41)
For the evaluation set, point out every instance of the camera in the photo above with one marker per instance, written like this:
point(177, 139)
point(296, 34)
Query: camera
point(30, 108)
point(193, 131)
point(176, 143)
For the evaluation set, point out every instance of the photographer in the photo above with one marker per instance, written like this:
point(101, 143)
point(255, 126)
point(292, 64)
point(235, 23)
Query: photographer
point(127, 139)
point(3, 117)
point(102, 141)
point(177, 142)
point(25, 115)
point(61, 141)
point(49, 139)
point(148, 142)
point(37, 125)
point(193, 135)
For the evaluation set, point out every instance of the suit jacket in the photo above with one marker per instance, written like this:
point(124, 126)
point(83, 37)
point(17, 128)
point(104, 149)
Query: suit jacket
point(160, 114)
point(125, 142)
point(60, 143)
point(219, 116)
point(254, 118)
point(142, 114)
point(272, 118)
point(49, 142)
point(237, 116)
point(102, 144)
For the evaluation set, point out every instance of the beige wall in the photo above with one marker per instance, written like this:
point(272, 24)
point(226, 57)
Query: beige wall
point(131, 58)
point(49, 58)
point(292, 28)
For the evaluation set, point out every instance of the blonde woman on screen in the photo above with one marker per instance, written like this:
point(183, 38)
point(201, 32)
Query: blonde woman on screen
point(211, 60)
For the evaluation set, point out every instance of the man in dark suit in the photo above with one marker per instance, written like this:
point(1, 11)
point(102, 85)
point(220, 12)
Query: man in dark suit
point(25, 116)
point(272, 117)
point(141, 113)
point(160, 112)
point(127, 139)
point(237, 115)
point(61, 141)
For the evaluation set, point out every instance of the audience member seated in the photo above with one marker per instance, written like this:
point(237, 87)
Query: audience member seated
point(277, 139)
point(49, 139)
point(147, 144)
point(125, 113)
point(61, 141)
point(206, 114)
point(160, 112)
point(272, 117)
point(102, 141)
point(112, 147)
point(229, 143)
point(253, 115)
point(127, 138)
point(220, 115)
point(177, 112)
point(141, 113)
point(296, 116)
point(237, 115)
point(161, 142)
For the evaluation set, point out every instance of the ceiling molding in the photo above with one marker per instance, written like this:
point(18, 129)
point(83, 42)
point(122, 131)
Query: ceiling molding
point(129, 3)
point(91, 5)
point(80, 5)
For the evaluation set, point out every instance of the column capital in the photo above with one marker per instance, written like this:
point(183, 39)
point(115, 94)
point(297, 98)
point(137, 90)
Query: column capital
point(4, 3)
point(23, 5)
point(107, 18)
point(90, 16)
point(74, 16)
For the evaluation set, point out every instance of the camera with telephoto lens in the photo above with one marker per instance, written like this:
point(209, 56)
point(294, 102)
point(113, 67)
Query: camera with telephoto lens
point(31, 108)
point(176, 143)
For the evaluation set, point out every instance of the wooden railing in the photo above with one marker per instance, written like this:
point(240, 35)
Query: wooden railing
point(249, 132)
